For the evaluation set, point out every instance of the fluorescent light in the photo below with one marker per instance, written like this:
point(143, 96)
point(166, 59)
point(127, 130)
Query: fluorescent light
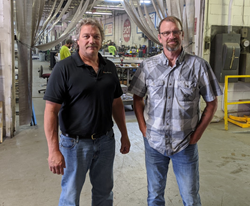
point(146, 2)
point(102, 13)
point(109, 8)
point(141, 1)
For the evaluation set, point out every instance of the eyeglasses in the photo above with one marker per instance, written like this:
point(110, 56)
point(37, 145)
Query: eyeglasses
point(167, 33)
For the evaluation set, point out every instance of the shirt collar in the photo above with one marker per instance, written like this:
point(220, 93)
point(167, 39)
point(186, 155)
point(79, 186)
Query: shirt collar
point(181, 56)
point(179, 59)
point(79, 61)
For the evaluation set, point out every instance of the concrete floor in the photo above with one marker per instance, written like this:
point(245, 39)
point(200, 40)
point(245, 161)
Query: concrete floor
point(25, 179)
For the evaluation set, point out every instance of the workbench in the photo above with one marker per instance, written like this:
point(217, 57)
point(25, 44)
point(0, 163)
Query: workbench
point(130, 70)
point(127, 66)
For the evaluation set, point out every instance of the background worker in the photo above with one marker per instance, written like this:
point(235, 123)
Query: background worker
point(85, 91)
point(112, 49)
point(170, 119)
point(65, 49)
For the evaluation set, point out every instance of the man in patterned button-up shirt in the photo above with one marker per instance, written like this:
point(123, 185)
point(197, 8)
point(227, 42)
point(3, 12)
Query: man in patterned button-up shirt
point(169, 115)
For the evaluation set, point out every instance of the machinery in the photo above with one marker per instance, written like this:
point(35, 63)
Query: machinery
point(230, 53)
point(153, 51)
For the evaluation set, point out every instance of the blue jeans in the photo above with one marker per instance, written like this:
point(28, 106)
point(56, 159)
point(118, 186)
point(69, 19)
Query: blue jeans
point(82, 155)
point(186, 170)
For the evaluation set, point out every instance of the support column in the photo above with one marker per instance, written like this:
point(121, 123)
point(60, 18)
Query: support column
point(7, 71)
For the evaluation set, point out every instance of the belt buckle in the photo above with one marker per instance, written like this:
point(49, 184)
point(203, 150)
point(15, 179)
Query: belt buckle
point(92, 136)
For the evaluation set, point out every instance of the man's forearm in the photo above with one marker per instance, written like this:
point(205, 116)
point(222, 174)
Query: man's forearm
point(51, 126)
point(206, 118)
point(119, 116)
point(55, 159)
point(139, 108)
point(51, 131)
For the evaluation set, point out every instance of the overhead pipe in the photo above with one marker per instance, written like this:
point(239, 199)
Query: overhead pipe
point(229, 16)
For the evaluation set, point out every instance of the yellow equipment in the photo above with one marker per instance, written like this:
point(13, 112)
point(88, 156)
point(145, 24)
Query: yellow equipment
point(226, 103)
point(238, 120)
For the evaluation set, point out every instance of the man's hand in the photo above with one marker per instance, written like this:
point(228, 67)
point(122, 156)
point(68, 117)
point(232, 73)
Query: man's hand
point(125, 145)
point(56, 163)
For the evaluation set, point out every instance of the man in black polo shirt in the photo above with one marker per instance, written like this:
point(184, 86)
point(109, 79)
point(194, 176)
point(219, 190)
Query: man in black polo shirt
point(84, 90)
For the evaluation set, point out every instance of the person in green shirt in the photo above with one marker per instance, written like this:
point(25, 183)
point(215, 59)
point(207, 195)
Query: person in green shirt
point(65, 49)
point(112, 49)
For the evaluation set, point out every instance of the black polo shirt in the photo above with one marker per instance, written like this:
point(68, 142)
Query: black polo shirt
point(86, 97)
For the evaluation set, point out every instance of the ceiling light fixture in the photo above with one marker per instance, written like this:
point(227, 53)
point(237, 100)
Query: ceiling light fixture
point(146, 2)
point(109, 8)
point(141, 1)
point(101, 13)
point(114, 0)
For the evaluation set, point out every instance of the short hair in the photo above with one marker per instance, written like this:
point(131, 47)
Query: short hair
point(171, 19)
point(69, 41)
point(89, 21)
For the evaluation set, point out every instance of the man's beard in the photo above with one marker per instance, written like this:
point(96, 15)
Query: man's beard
point(175, 48)
point(172, 49)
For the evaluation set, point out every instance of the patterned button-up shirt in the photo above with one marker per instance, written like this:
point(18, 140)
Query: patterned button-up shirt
point(172, 97)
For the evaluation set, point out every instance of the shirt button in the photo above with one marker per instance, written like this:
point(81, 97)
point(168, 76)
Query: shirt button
point(167, 123)
point(168, 110)
point(169, 97)
point(170, 84)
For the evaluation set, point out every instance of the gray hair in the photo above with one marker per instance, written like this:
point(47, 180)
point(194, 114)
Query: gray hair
point(89, 21)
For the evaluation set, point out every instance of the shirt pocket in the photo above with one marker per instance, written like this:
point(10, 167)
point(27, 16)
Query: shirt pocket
point(155, 88)
point(186, 90)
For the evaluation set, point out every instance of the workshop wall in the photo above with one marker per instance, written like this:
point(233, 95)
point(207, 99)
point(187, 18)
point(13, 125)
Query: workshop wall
point(117, 23)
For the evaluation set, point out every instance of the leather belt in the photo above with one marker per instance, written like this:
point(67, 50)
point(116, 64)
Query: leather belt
point(92, 136)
